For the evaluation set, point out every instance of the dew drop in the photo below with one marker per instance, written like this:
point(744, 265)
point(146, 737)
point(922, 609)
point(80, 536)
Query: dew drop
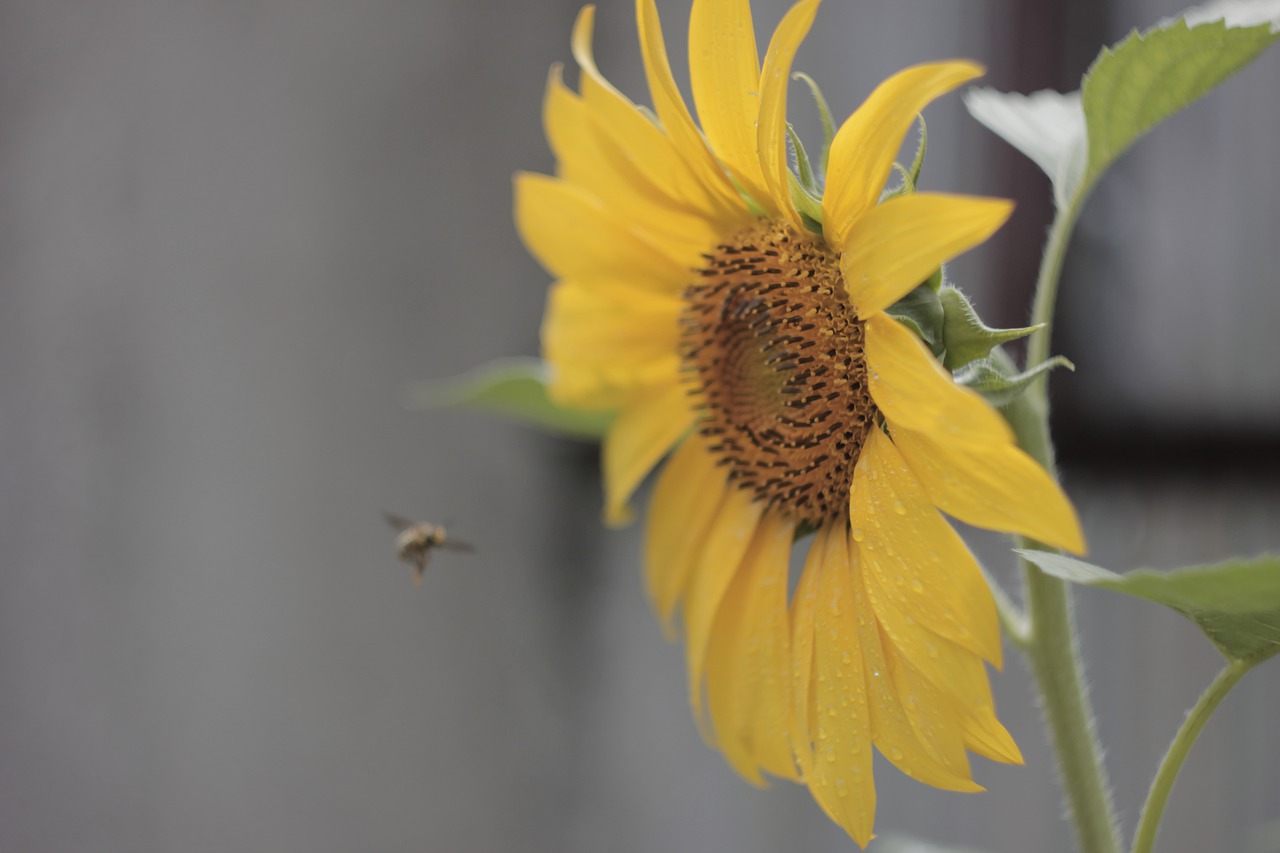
point(899, 507)
point(895, 754)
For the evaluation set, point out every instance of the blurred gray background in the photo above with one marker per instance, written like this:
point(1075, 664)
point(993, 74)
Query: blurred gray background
point(230, 232)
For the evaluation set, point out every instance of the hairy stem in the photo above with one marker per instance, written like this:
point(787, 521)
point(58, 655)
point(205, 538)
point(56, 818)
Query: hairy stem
point(1051, 644)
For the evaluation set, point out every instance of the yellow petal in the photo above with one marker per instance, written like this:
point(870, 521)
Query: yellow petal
point(913, 558)
point(891, 727)
point(605, 341)
point(914, 391)
point(772, 130)
point(993, 485)
point(864, 148)
point(720, 556)
point(897, 245)
point(749, 658)
point(985, 735)
point(588, 156)
point(934, 716)
point(839, 775)
point(685, 499)
point(637, 441)
point(642, 141)
point(724, 69)
point(804, 606)
point(574, 235)
point(953, 669)
point(676, 121)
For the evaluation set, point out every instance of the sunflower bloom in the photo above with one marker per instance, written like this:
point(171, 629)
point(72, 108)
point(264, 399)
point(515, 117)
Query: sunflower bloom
point(750, 344)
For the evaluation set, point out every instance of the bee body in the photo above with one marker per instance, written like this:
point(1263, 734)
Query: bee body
point(416, 541)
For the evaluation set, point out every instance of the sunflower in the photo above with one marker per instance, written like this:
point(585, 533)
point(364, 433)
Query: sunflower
point(750, 342)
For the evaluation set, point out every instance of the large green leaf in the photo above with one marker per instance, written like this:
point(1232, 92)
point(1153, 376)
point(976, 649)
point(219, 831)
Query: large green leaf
point(1149, 76)
point(515, 388)
point(1236, 603)
point(1130, 88)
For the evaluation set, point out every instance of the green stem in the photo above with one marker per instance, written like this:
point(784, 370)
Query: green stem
point(1054, 654)
point(1149, 823)
point(1052, 647)
point(1046, 296)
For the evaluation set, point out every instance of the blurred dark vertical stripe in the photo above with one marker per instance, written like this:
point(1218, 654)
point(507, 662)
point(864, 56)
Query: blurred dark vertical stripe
point(1051, 43)
point(1035, 61)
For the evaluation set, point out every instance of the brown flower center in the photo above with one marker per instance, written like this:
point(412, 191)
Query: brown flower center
point(777, 354)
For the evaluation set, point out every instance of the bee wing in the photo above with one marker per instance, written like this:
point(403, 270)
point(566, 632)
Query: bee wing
point(397, 522)
point(455, 545)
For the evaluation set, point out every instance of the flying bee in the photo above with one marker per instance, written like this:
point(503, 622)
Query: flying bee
point(418, 539)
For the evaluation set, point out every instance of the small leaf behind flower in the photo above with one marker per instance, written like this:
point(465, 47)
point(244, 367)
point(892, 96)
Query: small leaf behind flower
point(994, 379)
point(921, 312)
point(514, 388)
point(964, 334)
point(1046, 126)
point(1236, 603)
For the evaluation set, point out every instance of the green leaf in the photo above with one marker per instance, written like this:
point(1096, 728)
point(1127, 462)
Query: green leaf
point(1000, 385)
point(1046, 126)
point(1236, 603)
point(514, 388)
point(965, 336)
point(1148, 77)
point(1130, 88)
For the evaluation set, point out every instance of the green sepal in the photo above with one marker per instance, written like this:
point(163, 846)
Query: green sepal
point(807, 179)
point(994, 378)
point(921, 312)
point(514, 388)
point(910, 176)
point(807, 204)
point(904, 188)
point(918, 163)
point(828, 126)
point(1236, 603)
point(965, 336)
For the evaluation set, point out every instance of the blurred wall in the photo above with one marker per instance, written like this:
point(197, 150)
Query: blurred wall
point(230, 232)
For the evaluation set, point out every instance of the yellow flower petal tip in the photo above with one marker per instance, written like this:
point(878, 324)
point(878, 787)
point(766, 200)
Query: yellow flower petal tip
point(692, 299)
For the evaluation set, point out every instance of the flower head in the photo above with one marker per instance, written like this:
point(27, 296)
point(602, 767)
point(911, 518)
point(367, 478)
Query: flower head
point(751, 343)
